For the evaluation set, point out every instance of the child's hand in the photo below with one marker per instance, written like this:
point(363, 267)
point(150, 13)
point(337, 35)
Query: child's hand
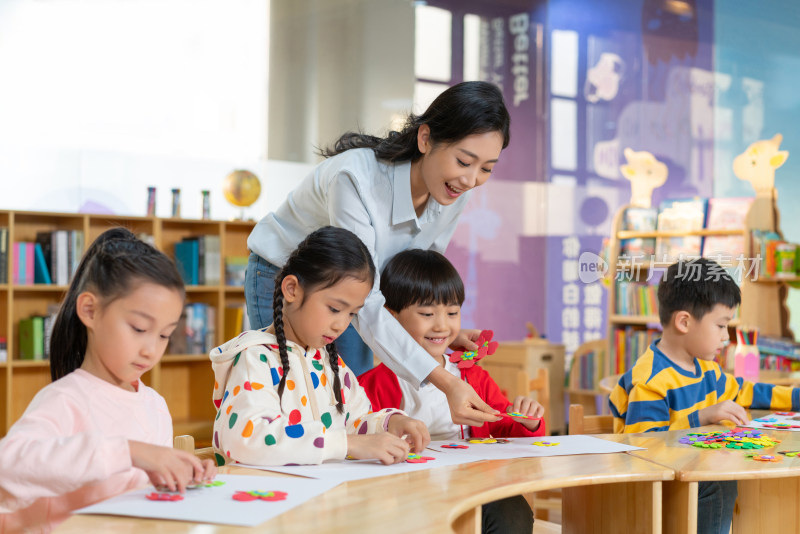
point(415, 430)
point(167, 467)
point(386, 447)
point(209, 471)
point(725, 410)
point(527, 406)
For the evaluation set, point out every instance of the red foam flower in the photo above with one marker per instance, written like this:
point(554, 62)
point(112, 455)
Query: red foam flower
point(415, 458)
point(486, 347)
point(454, 446)
point(164, 496)
point(247, 496)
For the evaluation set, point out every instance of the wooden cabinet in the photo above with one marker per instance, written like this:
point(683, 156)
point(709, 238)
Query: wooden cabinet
point(528, 356)
point(185, 380)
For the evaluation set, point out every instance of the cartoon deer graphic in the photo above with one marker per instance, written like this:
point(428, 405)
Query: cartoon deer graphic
point(757, 164)
point(645, 173)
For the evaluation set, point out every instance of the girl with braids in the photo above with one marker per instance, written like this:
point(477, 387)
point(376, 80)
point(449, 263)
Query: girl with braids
point(283, 394)
point(403, 191)
point(97, 430)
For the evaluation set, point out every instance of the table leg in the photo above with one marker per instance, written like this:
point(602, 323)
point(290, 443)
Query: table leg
point(629, 507)
point(680, 507)
point(767, 504)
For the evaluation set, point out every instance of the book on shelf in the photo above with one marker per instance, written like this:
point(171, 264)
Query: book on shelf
point(31, 338)
point(235, 269)
point(640, 220)
point(3, 349)
point(3, 255)
point(187, 259)
point(726, 214)
point(680, 216)
point(211, 260)
point(41, 273)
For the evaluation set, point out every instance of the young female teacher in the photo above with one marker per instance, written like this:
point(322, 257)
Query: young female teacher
point(403, 191)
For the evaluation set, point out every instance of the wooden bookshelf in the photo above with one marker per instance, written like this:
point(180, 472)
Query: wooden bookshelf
point(763, 298)
point(185, 380)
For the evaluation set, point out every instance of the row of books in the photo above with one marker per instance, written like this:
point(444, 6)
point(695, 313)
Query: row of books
point(34, 335)
point(629, 344)
point(636, 298)
point(196, 330)
point(777, 346)
point(198, 260)
point(686, 215)
point(779, 258)
point(590, 368)
point(51, 259)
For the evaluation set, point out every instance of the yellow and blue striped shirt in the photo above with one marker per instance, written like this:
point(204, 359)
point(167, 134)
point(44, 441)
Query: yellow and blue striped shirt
point(657, 395)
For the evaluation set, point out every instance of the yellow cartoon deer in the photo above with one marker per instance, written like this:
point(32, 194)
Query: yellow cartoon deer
point(757, 164)
point(645, 173)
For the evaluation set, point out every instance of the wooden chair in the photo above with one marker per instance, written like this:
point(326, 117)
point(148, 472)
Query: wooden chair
point(186, 443)
point(540, 384)
point(590, 424)
point(587, 397)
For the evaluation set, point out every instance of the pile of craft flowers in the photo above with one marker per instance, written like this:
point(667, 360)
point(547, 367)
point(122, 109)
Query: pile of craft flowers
point(733, 439)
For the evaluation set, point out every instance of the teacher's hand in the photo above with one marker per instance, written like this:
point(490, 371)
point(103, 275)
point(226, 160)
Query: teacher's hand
point(466, 407)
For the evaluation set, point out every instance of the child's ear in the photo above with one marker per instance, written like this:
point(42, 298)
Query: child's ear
point(291, 289)
point(87, 306)
point(394, 313)
point(681, 321)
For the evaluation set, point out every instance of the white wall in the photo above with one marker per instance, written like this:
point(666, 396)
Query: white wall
point(101, 98)
point(337, 65)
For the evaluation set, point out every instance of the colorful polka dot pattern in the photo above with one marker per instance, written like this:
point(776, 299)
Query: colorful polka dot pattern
point(296, 404)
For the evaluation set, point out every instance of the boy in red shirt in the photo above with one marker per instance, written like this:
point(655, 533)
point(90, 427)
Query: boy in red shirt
point(424, 292)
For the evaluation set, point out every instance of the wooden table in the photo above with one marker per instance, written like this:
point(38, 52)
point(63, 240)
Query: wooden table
point(768, 492)
point(607, 493)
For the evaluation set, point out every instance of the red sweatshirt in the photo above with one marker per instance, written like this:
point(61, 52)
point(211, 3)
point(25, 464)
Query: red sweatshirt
point(383, 389)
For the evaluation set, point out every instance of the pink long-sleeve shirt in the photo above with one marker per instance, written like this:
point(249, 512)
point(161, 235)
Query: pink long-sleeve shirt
point(70, 449)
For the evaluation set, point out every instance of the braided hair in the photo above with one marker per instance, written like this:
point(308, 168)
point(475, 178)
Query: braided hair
point(324, 258)
point(112, 268)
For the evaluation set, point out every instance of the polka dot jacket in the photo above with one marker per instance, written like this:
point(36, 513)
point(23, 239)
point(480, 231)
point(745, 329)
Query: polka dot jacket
point(253, 426)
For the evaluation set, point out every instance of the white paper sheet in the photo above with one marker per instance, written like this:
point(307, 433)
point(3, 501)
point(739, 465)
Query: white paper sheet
point(524, 448)
point(775, 419)
point(215, 504)
point(517, 448)
point(344, 470)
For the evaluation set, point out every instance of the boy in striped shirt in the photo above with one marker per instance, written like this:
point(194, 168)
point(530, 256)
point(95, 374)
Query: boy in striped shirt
point(676, 384)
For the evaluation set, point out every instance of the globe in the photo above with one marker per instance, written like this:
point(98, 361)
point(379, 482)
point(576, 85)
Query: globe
point(241, 188)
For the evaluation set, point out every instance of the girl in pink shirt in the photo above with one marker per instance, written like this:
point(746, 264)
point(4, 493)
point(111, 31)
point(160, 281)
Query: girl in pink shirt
point(97, 430)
